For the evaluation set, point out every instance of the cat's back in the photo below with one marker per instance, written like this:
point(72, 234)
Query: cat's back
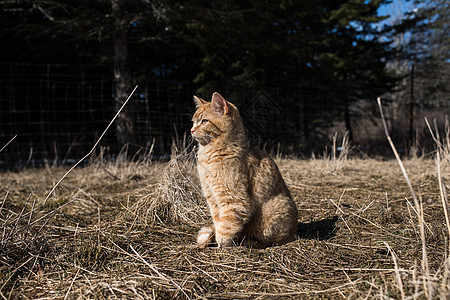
point(266, 179)
point(276, 214)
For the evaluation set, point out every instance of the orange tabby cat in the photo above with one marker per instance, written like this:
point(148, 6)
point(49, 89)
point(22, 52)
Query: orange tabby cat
point(246, 194)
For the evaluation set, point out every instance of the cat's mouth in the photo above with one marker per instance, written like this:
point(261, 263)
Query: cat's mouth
point(204, 140)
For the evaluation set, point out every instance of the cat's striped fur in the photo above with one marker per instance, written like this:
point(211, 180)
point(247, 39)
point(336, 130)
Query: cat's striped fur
point(246, 194)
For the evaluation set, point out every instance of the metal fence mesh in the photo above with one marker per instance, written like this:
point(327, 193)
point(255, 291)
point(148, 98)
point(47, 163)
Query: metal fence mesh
point(59, 111)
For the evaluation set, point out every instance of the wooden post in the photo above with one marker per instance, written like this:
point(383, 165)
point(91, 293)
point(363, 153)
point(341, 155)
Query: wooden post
point(411, 108)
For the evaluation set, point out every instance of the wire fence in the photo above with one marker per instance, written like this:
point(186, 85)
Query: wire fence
point(59, 111)
point(53, 109)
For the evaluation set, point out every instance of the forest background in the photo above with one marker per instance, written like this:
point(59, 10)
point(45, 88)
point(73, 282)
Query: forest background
point(301, 72)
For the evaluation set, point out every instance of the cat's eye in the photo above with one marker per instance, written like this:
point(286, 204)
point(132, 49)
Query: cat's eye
point(204, 121)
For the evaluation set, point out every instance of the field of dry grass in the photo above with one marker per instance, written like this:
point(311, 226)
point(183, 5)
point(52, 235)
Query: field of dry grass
point(127, 230)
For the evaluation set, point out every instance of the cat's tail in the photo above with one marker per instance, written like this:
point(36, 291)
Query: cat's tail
point(205, 236)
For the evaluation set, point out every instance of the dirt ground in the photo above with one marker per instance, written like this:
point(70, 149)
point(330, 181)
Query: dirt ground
point(127, 230)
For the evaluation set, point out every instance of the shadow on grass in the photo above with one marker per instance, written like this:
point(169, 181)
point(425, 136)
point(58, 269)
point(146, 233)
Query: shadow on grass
point(318, 230)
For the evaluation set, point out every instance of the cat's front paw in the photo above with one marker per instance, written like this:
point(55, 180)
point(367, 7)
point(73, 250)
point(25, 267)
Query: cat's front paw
point(205, 236)
point(224, 241)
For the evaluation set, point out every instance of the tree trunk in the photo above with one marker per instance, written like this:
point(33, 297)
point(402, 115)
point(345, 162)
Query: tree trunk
point(122, 75)
point(306, 128)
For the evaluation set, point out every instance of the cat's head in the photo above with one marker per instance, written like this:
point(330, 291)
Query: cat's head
point(216, 120)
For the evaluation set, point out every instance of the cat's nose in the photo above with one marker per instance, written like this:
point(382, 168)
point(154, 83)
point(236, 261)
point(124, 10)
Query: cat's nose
point(192, 131)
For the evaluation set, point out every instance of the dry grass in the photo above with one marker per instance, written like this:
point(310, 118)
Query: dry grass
point(176, 199)
point(336, 160)
point(127, 230)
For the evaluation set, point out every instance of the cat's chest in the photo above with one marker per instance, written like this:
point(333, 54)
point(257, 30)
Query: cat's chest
point(224, 170)
point(208, 171)
point(227, 164)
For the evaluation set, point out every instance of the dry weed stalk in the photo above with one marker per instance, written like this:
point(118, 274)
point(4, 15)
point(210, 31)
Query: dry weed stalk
point(443, 146)
point(9, 142)
point(397, 272)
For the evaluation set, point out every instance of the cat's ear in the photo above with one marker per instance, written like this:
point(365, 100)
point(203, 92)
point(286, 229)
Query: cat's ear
point(219, 104)
point(199, 101)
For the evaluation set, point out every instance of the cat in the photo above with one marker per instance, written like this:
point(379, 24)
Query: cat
point(247, 197)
